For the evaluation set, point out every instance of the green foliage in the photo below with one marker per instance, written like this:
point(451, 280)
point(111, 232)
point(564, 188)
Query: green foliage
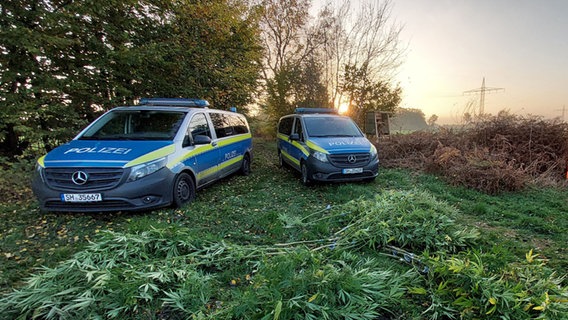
point(126, 276)
point(412, 219)
point(306, 285)
point(15, 177)
point(462, 285)
point(65, 62)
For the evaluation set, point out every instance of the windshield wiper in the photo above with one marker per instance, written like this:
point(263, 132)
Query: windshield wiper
point(333, 135)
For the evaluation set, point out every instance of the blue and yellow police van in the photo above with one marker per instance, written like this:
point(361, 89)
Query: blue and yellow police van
point(142, 157)
point(325, 146)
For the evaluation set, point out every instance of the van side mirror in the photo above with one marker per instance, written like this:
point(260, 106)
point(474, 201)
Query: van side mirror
point(295, 137)
point(201, 139)
point(186, 141)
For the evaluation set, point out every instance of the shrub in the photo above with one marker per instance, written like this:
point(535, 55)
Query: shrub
point(495, 154)
point(15, 180)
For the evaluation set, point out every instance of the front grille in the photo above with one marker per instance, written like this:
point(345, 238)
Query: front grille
point(97, 178)
point(350, 160)
point(88, 206)
point(343, 177)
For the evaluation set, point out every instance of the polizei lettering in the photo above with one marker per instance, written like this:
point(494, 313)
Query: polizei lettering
point(341, 143)
point(109, 150)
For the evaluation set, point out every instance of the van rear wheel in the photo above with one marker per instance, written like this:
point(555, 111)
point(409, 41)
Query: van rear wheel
point(184, 190)
point(281, 162)
point(245, 166)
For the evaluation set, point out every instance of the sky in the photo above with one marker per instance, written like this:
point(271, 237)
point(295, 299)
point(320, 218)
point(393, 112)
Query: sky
point(520, 46)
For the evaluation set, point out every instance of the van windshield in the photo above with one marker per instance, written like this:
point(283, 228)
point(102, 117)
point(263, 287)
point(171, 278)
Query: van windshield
point(331, 127)
point(135, 125)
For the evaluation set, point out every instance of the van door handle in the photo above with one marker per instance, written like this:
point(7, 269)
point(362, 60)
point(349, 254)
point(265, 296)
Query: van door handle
point(214, 143)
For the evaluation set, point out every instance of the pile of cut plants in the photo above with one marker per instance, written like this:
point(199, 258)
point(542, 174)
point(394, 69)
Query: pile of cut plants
point(400, 255)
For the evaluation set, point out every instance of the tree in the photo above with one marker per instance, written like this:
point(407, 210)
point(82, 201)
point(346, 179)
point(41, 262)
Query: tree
point(367, 94)
point(362, 51)
point(64, 62)
point(340, 57)
point(432, 120)
point(292, 70)
point(408, 119)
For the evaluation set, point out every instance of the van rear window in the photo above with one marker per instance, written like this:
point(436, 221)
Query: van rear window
point(135, 125)
point(228, 124)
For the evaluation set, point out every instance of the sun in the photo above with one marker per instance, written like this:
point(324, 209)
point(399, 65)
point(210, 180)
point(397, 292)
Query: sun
point(343, 108)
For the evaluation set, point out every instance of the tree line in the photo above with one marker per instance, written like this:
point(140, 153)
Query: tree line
point(64, 62)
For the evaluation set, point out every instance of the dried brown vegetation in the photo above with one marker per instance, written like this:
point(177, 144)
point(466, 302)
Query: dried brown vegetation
point(495, 154)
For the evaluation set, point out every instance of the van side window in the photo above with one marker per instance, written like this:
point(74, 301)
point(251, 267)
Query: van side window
point(285, 126)
point(239, 124)
point(199, 126)
point(222, 125)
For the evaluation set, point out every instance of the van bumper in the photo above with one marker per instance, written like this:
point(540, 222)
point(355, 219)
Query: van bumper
point(153, 191)
point(325, 171)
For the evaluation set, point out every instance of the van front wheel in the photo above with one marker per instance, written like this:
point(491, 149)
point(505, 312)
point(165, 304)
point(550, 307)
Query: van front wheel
point(305, 174)
point(184, 190)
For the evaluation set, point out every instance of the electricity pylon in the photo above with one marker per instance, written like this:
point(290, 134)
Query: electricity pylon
point(482, 92)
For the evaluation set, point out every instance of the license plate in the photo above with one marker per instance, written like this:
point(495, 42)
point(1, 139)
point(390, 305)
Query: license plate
point(81, 197)
point(352, 170)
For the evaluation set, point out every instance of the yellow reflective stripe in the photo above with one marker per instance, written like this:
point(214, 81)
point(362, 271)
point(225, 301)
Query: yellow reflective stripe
point(296, 161)
point(230, 162)
point(162, 152)
point(316, 147)
point(225, 141)
point(41, 161)
point(207, 172)
point(220, 167)
point(301, 147)
point(204, 148)
point(196, 151)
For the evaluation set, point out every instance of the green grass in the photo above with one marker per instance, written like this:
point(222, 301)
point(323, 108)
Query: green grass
point(271, 209)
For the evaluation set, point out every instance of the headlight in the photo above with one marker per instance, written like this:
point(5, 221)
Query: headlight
point(320, 156)
point(373, 151)
point(145, 169)
point(39, 171)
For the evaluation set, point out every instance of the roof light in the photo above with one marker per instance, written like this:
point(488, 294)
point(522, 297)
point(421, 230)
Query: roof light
point(316, 110)
point(174, 102)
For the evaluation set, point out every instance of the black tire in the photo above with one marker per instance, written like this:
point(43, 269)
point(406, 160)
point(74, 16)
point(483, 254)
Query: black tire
point(184, 190)
point(305, 174)
point(281, 162)
point(245, 165)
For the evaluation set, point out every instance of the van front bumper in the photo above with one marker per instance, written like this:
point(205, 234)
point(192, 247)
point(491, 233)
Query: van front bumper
point(325, 171)
point(153, 191)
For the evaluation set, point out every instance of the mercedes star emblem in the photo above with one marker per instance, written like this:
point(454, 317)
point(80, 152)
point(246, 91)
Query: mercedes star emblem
point(351, 158)
point(79, 177)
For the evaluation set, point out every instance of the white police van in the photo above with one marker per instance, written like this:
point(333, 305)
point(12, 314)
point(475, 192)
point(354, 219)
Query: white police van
point(325, 146)
point(143, 157)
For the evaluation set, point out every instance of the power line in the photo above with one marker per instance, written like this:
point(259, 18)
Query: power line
point(482, 92)
point(563, 111)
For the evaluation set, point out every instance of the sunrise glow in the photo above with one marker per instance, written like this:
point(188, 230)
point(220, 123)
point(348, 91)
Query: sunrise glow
point(343, 108)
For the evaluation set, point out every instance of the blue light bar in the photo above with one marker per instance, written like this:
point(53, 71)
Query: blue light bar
point(174, 102)
point(316, 110)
